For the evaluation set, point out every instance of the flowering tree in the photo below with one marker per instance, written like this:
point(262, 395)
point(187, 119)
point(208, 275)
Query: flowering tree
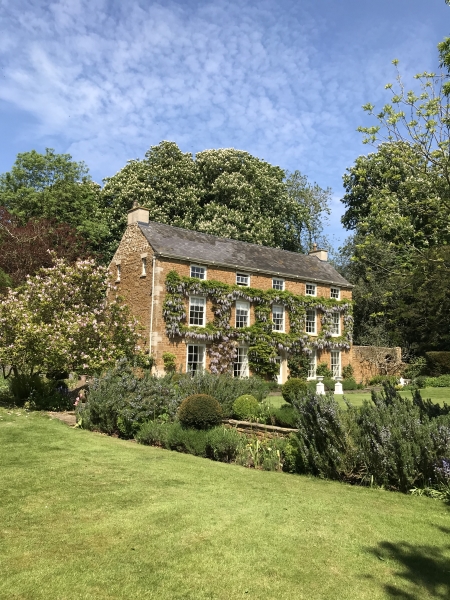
point(59, 321)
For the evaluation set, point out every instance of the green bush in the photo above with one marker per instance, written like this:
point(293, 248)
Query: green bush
point(441, 381)
point(39, 393)
point(285, 416)
point(169, 362)
point(119, 402)
point(380, 379)
point(294, 390)
point(246, 407)
point(349, 384)
point(437, 363)
point(348, 372)
point(200, 411)
point(224, 388)
point(218, 443)
point(298, 365)
point(324, 371)
point(415, 368)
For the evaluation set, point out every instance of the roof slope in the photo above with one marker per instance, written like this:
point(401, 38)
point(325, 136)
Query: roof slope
point(175, 242)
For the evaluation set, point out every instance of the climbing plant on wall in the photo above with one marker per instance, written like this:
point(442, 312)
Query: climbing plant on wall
point(264, 343)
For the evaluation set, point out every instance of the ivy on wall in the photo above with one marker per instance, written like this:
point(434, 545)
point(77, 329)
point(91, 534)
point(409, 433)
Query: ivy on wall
point(264, 343)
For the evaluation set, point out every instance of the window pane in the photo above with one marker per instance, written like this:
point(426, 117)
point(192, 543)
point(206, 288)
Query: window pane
point(310, 321)
point(195, 358)
point(312, 366)
point(278, 318)
point(242, 313)
point(310, 289)
point(198, 272)
point(277, 284)
point(242, 279)
point(240, 367)
point(336, 326)
point(336, 363)
point(197, 311)
point(335, 293)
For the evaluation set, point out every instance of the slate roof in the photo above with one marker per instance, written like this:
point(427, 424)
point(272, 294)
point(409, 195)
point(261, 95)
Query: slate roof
point(174, 242)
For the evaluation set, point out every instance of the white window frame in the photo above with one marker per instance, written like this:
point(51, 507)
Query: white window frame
point(312, 367)
point(312, 292)
point(246, 276)
point(201, 350)
point(118, 272)
point(197, 301)
point(198, 267)
point(312, 331)
point(240, 365)
point(335, 363)
point(278, 326)
point(242, 305)
point(144, 266)
point(279, 281)
point(336, 291)
point(336, 328)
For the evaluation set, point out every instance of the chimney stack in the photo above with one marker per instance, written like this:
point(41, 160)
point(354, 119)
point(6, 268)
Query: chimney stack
point(138, 214)
point(321, 254)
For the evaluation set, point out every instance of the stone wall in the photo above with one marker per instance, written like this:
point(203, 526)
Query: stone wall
point(368, 361)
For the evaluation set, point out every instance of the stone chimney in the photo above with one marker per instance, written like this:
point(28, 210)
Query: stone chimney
point(138, 214)
point(321, 254)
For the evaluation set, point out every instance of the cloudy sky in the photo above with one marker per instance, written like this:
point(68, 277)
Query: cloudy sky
point(282, 79)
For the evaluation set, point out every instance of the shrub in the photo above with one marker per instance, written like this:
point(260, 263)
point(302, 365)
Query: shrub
point(224, 388)
point(294, 390)
point(246, 407)
point(437, 363)
point(119, 402)
point(169, 362)
point(415, 368)
point(285, 416)
point(441, 381)
point(324, 371)
point(429, 408)
point(223, 444)
point(298, 365)
point(348, 372)
point(38, 393)
point(200, 411)
point(349, 384)
point(380, 379)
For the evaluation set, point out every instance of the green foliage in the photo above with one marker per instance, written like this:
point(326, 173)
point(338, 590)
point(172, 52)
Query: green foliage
point(266, 454)
point(218, 443)
point(5, 281)
point(441, 381)
point(246, 407)
point(415, 367)
point(53, 186)
point(437, 363)
point(37, 393)
point(348, 372)
point(298, 365)
point(200, 411)
point(119, 402)
point(285, 416)
point(323, 370)
point(294, 390)
point(349, 384)
point(380, 379)
point(429, 408)
point(169, 362)
point(224, 388)
point(223, 192)
point(261, 359)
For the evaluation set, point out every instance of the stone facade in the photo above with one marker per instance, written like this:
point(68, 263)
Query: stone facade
point(138, 275)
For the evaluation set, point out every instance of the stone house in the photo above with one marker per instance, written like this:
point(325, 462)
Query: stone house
point(227, 305)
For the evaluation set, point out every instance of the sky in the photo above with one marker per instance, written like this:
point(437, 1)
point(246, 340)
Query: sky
point(282, 79)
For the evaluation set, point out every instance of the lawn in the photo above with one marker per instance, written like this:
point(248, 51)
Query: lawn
point(439, 395)
point(85, 516)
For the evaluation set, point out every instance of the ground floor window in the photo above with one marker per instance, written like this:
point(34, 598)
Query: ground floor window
point(240, 367)
point(336, 363)
point(195, 358)
point(312, 365)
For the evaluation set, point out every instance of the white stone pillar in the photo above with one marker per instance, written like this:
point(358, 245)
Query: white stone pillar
point(338, 387)
point(320, 388)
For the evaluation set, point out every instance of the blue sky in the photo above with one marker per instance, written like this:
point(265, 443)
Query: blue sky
point(281, 79)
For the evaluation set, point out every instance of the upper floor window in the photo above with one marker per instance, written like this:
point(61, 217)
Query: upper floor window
point(311, 289)
point(242, 314)
point(336, 324)
point(277, 284)
point(197, 311)
point(198, 272)
point(335, 293)
point(310, 322)
point(278, 317)
point(243, 279)
point(118, 272)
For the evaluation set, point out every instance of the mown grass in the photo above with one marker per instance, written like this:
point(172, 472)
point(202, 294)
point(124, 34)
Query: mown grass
point(438, 395)
point(85, 516)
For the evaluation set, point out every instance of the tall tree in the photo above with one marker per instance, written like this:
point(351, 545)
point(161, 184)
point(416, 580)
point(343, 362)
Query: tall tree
point(223, 192)
point(53, 186)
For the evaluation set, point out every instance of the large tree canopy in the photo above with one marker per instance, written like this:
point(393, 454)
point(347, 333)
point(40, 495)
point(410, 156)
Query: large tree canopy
point(53, 186)
point(224, 192)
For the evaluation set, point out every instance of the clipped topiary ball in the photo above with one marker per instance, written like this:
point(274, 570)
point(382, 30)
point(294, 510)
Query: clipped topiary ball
point(294, 389)
point(200, 411)
point(245, 407)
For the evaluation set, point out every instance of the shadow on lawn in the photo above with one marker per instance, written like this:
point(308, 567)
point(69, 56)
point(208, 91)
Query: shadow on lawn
point(422, 569)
